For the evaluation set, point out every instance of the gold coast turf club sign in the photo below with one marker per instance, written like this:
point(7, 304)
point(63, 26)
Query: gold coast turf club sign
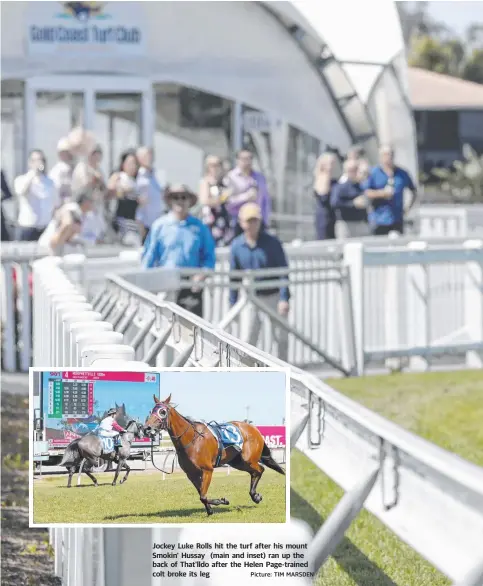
point(84, 25)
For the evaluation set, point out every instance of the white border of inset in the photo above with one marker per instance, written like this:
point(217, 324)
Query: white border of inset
point(286, 371)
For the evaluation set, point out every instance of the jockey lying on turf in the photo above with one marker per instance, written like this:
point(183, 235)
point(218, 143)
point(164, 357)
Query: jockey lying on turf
point(109, 426)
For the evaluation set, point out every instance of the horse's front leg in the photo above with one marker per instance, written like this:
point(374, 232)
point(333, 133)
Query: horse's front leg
point(118, 469)
point(206, 476)
point(127, 473)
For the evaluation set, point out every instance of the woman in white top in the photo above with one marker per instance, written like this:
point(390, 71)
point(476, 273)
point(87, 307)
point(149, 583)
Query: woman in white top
point(38, 198)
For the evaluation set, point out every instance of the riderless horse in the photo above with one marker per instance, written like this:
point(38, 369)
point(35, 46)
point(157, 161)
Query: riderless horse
point(201, 447)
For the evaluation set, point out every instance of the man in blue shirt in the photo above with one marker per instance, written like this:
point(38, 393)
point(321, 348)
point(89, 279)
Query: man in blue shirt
point(256, 249)
point(179, 240)
point(384, 189)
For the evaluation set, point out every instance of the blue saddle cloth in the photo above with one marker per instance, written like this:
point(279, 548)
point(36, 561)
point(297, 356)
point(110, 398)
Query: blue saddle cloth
point(228, 435)
point(108, 443)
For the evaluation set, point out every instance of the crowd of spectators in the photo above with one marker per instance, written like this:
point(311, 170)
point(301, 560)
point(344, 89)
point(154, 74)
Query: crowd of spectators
point(75, 203)
point(362, 201)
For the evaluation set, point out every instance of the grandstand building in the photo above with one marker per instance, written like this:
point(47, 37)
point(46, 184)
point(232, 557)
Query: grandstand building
point(287, 79)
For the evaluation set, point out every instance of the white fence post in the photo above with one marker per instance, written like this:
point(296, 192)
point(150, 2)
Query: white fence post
point(354, 260)
point(62, 310)
point(474, 302)
point(418, 311)
point(8, 317)
point(394, 289)
point(94, 338)
point(78, 329)
point(26, 308)
point(91, 354)
point(67, 320)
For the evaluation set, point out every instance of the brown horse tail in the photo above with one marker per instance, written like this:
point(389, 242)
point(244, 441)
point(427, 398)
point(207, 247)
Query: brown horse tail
point(268, 460)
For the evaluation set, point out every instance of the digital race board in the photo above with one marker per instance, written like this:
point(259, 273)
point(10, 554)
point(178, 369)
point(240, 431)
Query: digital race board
point(70, 398)
point(74, 402)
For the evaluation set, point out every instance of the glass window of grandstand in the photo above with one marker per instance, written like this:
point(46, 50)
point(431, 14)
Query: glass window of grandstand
point(257, 137)
point(286, 156)
point(190, 124)
point(470, 125)
point(13, 144)
point(298, 200)
point(117, 126)
point(56, 114)
point(12, 128)
point(442, 130)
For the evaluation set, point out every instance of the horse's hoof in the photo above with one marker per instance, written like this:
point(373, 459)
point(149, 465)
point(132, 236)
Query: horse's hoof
point(113, 484)
point(225, 502)
point(257, 498)
point(123, 480)
point(210, 512)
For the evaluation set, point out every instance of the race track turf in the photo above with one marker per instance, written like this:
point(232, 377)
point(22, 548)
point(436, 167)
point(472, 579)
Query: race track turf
point(147, 498)
point(443, 407)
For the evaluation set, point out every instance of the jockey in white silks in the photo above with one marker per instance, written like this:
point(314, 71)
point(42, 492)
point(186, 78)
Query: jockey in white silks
point(109, 427)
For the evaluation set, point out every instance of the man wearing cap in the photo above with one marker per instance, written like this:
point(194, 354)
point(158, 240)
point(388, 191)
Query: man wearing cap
point(256, 249)
point(66, 223)
point(61, 172)
point(179, 240)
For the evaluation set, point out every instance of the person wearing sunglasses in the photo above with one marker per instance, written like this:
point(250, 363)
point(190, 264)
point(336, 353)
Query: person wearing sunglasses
point(179, 240)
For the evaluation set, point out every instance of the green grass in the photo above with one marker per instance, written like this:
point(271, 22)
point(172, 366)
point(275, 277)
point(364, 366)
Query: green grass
point(443, 407)
point(146, 498)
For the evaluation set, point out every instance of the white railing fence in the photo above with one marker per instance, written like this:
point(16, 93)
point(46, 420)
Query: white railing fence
point(460, 221)
point(16, 302)
point(430, 498)
point(130, 308)
point(425, 221)
point(417, 302)
point(411, 303)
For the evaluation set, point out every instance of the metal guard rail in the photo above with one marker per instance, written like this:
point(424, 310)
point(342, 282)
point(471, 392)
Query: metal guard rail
point(430, 498)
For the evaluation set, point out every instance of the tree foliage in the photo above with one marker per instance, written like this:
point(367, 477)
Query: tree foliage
point(433, 46)
point(464, 182)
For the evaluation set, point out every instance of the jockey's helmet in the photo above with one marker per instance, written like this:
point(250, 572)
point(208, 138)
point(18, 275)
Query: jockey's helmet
point(112, 411)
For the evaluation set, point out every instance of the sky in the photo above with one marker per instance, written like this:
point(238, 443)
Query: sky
point(224, 396)
point(219, 396)
point(457, 14)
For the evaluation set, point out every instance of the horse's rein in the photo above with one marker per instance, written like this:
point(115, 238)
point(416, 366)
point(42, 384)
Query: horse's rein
point(178, 437)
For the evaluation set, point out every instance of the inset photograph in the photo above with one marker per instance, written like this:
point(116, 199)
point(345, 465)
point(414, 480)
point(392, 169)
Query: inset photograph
point(157, 447)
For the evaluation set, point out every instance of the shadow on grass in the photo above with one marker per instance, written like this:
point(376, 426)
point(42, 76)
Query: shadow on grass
point(179, 513)
point(356, 564)
point(91, 485)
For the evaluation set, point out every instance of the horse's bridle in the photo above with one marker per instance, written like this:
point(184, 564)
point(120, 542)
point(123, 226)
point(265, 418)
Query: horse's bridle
point(161, 412)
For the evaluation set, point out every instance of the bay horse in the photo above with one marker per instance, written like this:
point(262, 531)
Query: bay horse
point(83, 453)
point(199, 451)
